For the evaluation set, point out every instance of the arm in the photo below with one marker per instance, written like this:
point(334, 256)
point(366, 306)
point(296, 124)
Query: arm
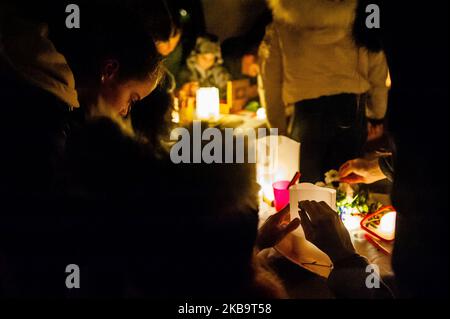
point(348, 280)
point(272, 78)
point(378, 93)
point(360, 170)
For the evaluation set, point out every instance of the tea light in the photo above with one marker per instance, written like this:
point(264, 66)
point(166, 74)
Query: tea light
point(261, 114)
point(208, 103)
point(387, 224)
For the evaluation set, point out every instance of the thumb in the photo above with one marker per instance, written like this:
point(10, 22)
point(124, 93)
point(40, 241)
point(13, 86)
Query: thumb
point(293, 225)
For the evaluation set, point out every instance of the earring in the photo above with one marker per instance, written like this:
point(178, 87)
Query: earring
point(103, 79)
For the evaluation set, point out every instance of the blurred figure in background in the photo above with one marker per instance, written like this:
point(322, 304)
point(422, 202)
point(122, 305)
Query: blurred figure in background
point(163, 19)
point(240, 55)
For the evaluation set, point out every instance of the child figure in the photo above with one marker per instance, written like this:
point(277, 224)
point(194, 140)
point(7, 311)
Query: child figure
point(204, 68)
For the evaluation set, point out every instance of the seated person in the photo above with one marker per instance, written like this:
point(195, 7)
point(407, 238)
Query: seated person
point(204, 67)
point(219, 217)
point(194, 234)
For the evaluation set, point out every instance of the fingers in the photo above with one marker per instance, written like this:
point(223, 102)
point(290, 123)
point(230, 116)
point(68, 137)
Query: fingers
point(326, 210)
point(293, 225)
point(318, 212)
point(353, 179)
point(346, 169)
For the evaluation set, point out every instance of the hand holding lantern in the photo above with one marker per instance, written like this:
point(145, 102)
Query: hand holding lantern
point(324, 228)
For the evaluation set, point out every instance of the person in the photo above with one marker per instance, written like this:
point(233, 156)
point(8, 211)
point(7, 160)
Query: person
point(38, 75)
point(112, 77)
point(310, 59)
point(209, 227)
point(229, 263)
point(163, 19)
point(421, 243)
point(240, 53)
point(204, 67)
point(323, 227)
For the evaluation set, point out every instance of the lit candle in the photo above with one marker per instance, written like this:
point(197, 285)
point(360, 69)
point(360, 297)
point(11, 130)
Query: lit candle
point(387, 224)
point(208, 103)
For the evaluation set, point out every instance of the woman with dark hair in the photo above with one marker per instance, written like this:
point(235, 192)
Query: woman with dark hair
point(113, 65)
point(121, 65)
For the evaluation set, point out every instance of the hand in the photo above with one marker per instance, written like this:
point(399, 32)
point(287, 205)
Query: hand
point(374, 132)
point(361, 171)
point(324, 228)
point(275, 229)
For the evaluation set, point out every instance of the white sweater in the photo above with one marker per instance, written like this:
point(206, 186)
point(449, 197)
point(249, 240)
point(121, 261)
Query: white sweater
point(308, 52)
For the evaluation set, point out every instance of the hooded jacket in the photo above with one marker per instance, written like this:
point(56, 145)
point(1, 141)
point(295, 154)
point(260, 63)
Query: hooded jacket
point(308, 52)
point(37, 91)
point(216, 76)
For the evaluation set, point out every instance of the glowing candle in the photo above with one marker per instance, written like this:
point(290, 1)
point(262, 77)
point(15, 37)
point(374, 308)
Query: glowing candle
point(387, 224)
point(261, 114)
point(208, 103)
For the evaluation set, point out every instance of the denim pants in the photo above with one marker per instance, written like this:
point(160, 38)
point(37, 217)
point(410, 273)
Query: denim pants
point(331, 130)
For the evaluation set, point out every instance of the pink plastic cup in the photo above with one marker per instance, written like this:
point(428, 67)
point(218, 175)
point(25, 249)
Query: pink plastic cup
point(281, 194)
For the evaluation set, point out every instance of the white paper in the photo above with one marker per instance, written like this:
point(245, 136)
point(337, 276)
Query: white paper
point(308, 191)
point(278, 159)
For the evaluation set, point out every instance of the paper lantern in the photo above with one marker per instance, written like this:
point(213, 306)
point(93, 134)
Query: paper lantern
point(208, 103)
point(278, 159)
point(311, 192)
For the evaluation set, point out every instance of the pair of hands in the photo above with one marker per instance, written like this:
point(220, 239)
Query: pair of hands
point(321, 225)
